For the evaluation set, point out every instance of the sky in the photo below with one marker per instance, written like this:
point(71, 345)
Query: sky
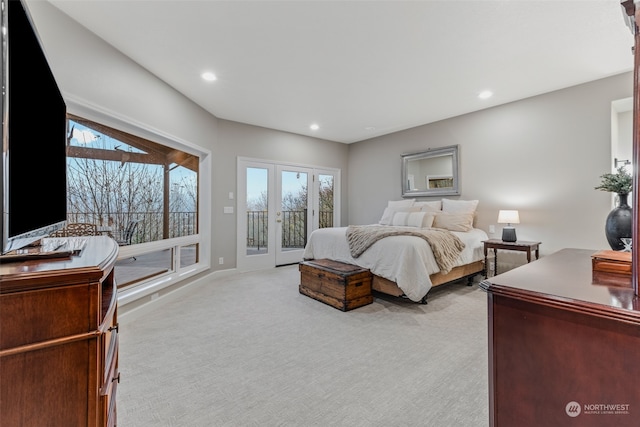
point(86, 137)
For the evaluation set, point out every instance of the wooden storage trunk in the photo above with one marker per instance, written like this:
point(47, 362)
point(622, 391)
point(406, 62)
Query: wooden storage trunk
point(343, 286)
point(611, 268)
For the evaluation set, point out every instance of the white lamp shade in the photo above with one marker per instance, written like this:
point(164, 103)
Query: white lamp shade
point(508, 217)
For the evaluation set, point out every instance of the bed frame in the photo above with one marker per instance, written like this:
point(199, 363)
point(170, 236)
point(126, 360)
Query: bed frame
point(468, 271)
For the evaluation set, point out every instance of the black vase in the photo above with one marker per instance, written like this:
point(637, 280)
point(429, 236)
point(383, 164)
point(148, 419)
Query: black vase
point(618, 224)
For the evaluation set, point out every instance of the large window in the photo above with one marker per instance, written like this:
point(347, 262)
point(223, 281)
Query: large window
point(136, 191)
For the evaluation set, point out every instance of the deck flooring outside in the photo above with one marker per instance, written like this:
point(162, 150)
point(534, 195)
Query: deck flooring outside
point(135, 269)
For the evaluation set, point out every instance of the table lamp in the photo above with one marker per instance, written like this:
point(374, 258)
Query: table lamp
point(508, 232)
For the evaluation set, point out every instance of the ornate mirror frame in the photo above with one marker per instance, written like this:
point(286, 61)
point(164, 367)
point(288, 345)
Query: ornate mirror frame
point(433, 172)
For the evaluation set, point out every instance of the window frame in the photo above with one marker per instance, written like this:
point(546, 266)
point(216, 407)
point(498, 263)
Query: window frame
point(203, 239)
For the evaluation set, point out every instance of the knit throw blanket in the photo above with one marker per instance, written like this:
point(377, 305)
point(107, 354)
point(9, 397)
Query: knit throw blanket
point(445, 245)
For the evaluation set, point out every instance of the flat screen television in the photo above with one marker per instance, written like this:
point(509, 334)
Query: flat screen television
point(34, 134)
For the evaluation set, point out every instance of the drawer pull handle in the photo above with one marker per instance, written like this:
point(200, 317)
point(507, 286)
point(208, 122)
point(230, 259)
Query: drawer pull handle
point(116, 378)
point(114, 327)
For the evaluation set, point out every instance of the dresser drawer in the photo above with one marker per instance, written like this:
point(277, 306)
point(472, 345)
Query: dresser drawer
point(111, 375)
point(108, 412)
point(110, 386)
point(108, 346)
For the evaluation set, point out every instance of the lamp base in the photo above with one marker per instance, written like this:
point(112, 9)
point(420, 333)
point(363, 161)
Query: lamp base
point(509, 234)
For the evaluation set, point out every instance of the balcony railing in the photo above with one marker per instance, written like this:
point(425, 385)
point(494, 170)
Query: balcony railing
point(294, 225)
point(150, 226)
point(294, 228)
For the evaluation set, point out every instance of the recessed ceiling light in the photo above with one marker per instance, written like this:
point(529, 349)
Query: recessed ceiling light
point(370, 128)
point(314, 127)
point(485, 94)
point(209, 76)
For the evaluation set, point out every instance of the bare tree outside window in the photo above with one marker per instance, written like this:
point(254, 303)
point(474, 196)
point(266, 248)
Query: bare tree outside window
point(326, 201)
point(294, 210)
point(257, 211)
point(115, 178)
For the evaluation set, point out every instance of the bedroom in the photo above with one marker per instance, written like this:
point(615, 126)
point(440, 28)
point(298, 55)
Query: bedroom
point(513, 156)
point(542, 155)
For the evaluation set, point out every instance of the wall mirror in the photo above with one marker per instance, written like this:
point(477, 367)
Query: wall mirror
point(433, 172)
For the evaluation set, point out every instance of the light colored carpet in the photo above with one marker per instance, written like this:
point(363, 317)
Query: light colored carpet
point(250, 350)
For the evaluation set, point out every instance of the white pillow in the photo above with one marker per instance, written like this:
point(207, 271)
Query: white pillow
point(435, 206)
point(387, 215)
point(413, 219)
point(453, 221)
point(400, 203)
point(459, 206)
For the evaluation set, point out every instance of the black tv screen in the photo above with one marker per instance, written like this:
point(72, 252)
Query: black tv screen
point(34, 135)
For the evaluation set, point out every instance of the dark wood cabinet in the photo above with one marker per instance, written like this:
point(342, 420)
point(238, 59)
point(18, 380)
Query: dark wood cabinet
point(563, 351)
point(59, 339)
point(564, 345)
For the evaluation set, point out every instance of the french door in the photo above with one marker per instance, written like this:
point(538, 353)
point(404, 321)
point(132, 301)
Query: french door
point(279, 205)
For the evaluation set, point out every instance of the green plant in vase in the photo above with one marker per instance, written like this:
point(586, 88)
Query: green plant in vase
point(620, 182)
point(619, 221)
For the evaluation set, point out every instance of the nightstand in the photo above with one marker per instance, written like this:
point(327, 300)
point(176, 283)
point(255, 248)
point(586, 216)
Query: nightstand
point(519, 245)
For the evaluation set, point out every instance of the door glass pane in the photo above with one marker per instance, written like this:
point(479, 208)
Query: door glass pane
point(326, 201)
point(257, 210)
point(293, 211)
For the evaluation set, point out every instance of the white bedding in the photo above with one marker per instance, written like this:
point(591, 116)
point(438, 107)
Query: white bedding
point(406, 260)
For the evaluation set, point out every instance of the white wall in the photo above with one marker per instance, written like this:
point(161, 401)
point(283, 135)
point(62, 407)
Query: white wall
point(542, 156)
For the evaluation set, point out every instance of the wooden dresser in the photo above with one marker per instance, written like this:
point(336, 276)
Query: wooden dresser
point(562, 351)
point(59, 339)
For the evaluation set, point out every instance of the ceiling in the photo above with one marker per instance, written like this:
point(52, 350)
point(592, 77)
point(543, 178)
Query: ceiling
point(361, 69)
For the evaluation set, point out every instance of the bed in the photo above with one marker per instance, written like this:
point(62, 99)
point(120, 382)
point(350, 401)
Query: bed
point(405, 265)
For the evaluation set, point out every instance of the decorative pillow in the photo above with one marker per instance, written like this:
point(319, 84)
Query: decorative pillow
point(459, 206)
point(387, 215)
point(400, 203)
point(435, 206)
point(453, 221)
point(413, 219)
